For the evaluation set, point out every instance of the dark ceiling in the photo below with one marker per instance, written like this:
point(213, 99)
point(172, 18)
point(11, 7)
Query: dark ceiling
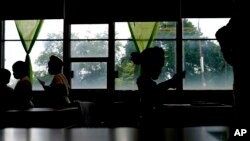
point(101, 11)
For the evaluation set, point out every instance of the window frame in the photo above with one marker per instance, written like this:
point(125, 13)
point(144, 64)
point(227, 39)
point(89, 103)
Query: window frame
point(111, 52)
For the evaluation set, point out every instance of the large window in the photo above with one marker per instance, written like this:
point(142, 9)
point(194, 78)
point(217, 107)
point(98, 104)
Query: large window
point(202, 59)
point(49, 41)
point(90, 46)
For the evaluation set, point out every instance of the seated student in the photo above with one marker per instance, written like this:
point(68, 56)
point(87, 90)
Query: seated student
point(151, 61)
point(6, 92)
point(23, 90)
point(58, 91)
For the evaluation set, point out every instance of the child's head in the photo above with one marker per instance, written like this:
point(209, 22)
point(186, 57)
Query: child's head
point(20, 69)
point(5, 76)
point(151, 61)
point(55, 65)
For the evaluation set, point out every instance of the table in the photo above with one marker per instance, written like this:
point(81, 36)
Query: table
point(40, 117)
point(113, 134)
point(184, 115)
point(75, 134)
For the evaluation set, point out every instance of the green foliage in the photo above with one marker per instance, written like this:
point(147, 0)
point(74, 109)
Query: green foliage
point(88, 72)
point(215, 69)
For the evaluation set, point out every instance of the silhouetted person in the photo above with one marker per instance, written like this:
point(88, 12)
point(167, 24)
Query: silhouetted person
point(151, 61)
point(23, 88)
point(6, 92)
point(234, 41)
point(58, 90)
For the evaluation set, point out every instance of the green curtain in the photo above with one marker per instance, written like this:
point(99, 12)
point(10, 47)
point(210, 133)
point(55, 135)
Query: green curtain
point(143, 34)
point(28, 31)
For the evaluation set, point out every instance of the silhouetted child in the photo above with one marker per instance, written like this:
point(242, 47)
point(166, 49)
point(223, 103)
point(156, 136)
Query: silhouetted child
point(6, 92)
point(151, 61)
point(23, 88)
point(58, 90)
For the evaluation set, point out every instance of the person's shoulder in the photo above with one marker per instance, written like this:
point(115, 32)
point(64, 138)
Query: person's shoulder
point(24, 82)
point(26, 79)
point(6, 89)
point(59, 79)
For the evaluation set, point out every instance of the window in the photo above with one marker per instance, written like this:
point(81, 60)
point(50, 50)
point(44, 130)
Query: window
point(205, 66)
point(89, 53)
point(89, 48)
point(49, 41)
point(203, 61)
point(124, 46)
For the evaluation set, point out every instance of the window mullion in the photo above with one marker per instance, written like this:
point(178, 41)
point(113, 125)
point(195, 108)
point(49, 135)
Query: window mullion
point(179, 52)
point(111, 58)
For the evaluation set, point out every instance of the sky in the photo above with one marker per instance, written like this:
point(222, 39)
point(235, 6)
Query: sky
point(209, 26)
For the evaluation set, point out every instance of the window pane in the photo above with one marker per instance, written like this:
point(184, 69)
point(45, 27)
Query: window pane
point(167, 30)
point(89, 75)
point(54, 27)
point(205, 66)
point(127, 71)
point(10, 31)
point(202, 27)
point(89, 31)
point(122, 30)
point(13, 52)
point(40, 53)
point(89, 40)
point(89, 48)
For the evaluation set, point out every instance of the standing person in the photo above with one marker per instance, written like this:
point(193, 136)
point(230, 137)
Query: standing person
point(6, 92)
point(58, 90)
point(23, 88)
point(234, 45)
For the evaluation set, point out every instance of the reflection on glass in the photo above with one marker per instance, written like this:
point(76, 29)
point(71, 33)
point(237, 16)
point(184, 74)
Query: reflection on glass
point(89, 75)
point(203, 133)
point(14, 134)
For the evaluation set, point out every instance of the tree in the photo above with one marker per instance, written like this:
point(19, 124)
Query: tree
point(85, 73)
point(216, 69)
